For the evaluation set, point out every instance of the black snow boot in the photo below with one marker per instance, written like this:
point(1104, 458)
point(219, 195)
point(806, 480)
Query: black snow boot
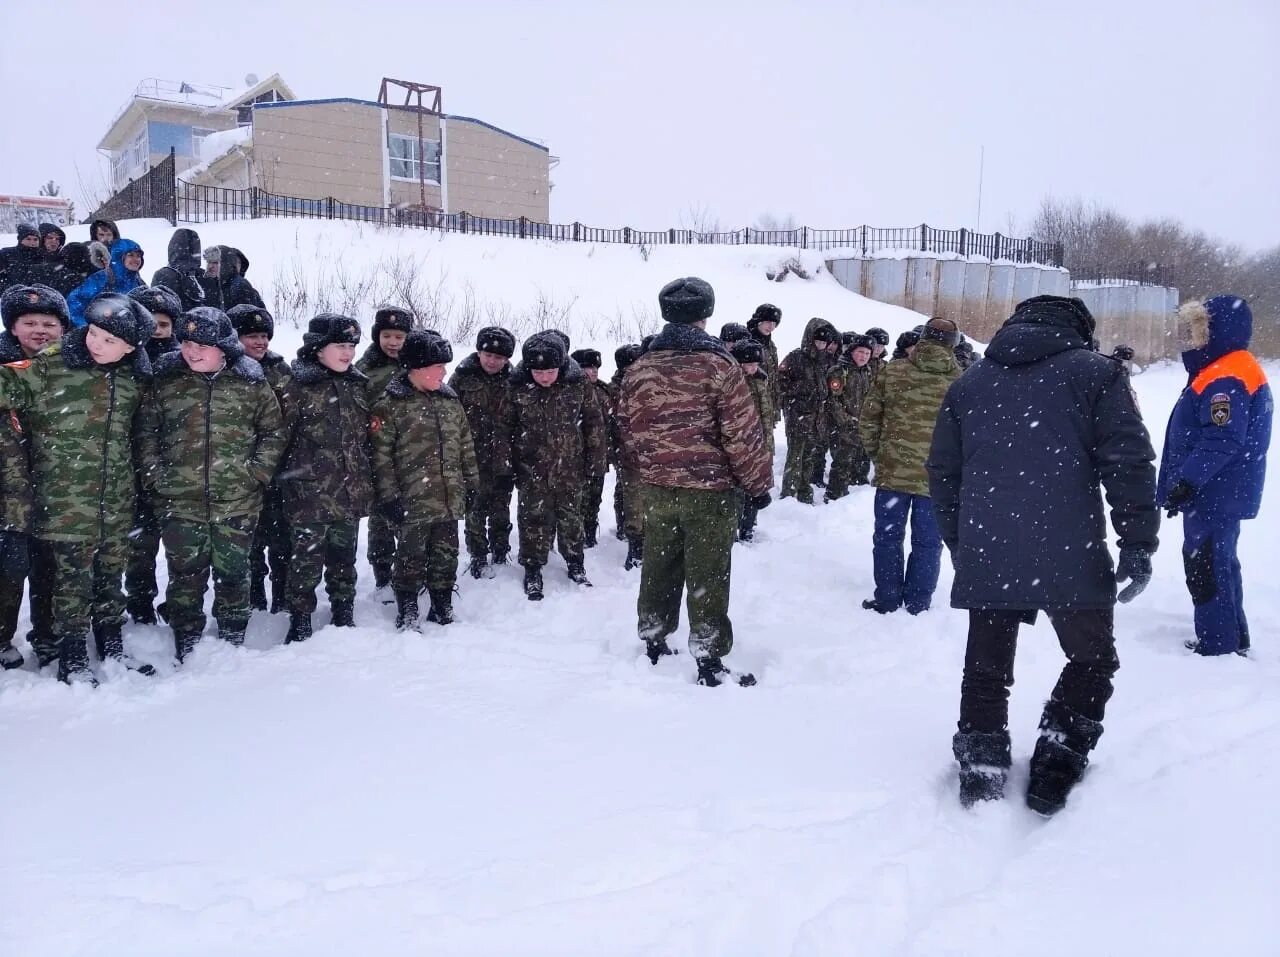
point(984, 765)
point(533, 582)
point(381, 576)
point(589, 536)
point(10, 658)
point(342, 614)
point(184, 644)
point(657, 649)
point(578, 574)
point(500, 556)
point(258, 593)
point(73, 663)
point(819, 471)
point(635, 552)
point(406, 611)
point(480, 567)
point(299, 627)
point(441, 611)
point(142, 612)
point(1060, 757)
point(232, 635)
point(110, 644)
point(713, 673)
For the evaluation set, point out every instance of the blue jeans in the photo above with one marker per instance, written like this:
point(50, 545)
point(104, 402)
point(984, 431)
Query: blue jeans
point(1213, 578)
point(913, 585)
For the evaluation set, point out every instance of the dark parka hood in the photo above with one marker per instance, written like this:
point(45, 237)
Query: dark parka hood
point(1216, 327)
point(811, 329)
point(1040, 328)
point(46, 229)
point(184, 251)
point(110, 224)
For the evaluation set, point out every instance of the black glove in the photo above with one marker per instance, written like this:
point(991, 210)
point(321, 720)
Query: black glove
point(469, 500)
point(504, 484)
point(1179, 497)
point(1135, 568)
point(15, 556)
point(393, 511)
point(760, 501)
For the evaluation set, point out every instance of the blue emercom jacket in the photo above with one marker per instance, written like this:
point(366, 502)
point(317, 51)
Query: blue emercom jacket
point(115, 278)
point(1220, 428)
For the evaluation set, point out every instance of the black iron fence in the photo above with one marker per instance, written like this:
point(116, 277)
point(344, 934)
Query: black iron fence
point(159, 193)
point(1124, 274)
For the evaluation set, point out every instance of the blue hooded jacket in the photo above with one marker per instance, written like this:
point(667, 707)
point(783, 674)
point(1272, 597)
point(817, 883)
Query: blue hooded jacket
point(1220, 428)
point(115, 278)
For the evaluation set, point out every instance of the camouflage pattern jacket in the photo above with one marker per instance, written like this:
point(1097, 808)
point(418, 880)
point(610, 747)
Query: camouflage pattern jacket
point(208, 445)
point(687, 417)
point(79, 417)
point(848, 385)
point(551, 437)
point(803, 384)
point(769, 365)
point(762, 395)
point(422, 452)
point(896, 425)
point(380, 368)
point(606, 397)
point(484, 399)
point(17, 501)
point(276, 370)
point(327, 472)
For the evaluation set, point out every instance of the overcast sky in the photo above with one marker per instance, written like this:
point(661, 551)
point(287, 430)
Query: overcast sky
point(838, 113)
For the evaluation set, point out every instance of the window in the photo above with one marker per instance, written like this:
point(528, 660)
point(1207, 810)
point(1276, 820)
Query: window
point(119, 162)
point(403, 151)
point(138, 151)
point(166, 136)
point(197, 137)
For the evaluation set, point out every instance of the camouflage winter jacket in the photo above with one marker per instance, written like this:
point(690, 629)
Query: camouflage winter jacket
point(327, 472)
point(550, 437)
point(422, 452)
point(380, 368)
point(687, 418)
point(848, 385)
point(762, 395)
point(898, 416)
point(483, 399)
point(17, 502)
point(803, 384)
point(606, 396)
point(769, 365)
point(208, 445)
point(79, 417)
point(276, 369)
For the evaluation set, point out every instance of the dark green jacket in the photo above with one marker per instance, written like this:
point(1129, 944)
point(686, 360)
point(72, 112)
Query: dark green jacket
point(551, 437)
point(17, 499)
point(380, 368)
point(483, 397)
point(79, 417)
point(327, 472)
point(802, 383)
point(208, 445)
point(422, 452)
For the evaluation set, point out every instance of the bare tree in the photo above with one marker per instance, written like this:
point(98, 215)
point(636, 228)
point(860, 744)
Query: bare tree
point(699, 218)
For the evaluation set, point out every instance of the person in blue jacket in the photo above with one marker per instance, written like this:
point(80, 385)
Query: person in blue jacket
point(1215, 462)
point(121, 276)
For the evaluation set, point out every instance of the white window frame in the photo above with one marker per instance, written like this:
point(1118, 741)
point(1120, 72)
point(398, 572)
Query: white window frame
point(410, 161)
point(138, 155)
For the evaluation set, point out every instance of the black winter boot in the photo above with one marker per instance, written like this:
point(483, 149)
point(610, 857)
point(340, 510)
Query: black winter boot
point(406, 611)
point(342, 614)
point(184, 644)
point(984, 765)
point(232, 635)
point(533, 582)
point(589, 535)
point(712, 673)
point(657, 649)
point(10, 658)
point(299, 627)
point(73, 663)
point(110, 644)
point(500, 556)
point(381, 576)
point(258, 593)
point(441, 606)
point(480, 567)
point(141, 611)
point(1060, 757)
point(578, 574)
point(277, 593)
point(635, 552)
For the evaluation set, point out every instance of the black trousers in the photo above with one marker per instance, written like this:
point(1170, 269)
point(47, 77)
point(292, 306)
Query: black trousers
point(1088, 639)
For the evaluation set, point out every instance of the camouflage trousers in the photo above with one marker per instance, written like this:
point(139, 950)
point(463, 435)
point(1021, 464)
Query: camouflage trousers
point(544, 514)
point(87, 586)
point(194, 549)
point(805, 455)
point(489, 521)
point(589, 507)
point(271, 544)
point(849, 464)
point(383, 539)
point(688, 548)
point(428, 557)
point(328, 550)
point(144, 549)
point(628, 502)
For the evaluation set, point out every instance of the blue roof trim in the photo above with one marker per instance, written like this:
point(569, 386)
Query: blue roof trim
point(357, 102)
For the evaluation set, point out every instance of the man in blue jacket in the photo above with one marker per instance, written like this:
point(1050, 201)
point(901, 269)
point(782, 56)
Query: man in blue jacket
point(1215, 462)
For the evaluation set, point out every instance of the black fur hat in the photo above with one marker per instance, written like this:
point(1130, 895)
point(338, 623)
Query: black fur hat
point(623, 356)
point(746, 350)
point(733, 331)
point(856, 340)
point(587, 358)
point(687, 300)
point(326, 329)
point(248, 319)
point(544, 350)
point(209, 326)
point(564, 338)
point(391, 319)
point(941, 330)
point(19, 301)
point(120, 316)
point(878, 335)
point(497, 340)
point(422, 349)
point(767, 312)
point(159, 299)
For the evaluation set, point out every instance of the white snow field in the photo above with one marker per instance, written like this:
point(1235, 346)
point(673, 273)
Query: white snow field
point(523, 782)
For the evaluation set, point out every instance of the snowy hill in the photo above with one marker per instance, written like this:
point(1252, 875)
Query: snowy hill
point(523, 782)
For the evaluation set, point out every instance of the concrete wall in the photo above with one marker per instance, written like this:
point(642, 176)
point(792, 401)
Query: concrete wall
point(316, 150)
point(1144, 317)
point(492, 174)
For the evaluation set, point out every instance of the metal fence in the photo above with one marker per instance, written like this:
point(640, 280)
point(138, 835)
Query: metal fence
point(159, 193)
point(1124, 274)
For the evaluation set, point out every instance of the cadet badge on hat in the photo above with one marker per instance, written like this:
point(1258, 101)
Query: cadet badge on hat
point(1220, 409)
point(191, 326)
point(33, 297)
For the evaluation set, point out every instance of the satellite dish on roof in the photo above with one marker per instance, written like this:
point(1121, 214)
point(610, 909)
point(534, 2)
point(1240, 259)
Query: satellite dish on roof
point(251, 79)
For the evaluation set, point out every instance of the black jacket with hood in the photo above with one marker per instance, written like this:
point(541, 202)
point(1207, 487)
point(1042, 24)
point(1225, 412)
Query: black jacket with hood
point(230, 287)
point(184, 274)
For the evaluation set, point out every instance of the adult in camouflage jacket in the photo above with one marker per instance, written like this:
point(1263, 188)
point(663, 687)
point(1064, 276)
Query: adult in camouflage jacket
point(896, 427)
point(849, 382)
point(426, 477)
point(805, 391)
point(481, 381)
point(327, 473)
point(210, 438)
point(691, 429)
point(589, 360)
point(551, 440)
point(77, 400)
point(381, 363)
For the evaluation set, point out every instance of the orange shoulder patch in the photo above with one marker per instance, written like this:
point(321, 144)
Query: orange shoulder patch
point(1234, 365)
point(20, 364)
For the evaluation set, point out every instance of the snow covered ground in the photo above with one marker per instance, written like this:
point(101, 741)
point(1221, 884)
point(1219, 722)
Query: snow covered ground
point(523, 782)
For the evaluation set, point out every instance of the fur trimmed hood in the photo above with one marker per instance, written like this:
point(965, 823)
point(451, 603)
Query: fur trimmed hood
point(1214, 328)
point(75, 354)
point(172, 364)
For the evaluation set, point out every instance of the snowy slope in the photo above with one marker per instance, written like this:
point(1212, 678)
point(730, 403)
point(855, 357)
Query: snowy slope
point(523, 782)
